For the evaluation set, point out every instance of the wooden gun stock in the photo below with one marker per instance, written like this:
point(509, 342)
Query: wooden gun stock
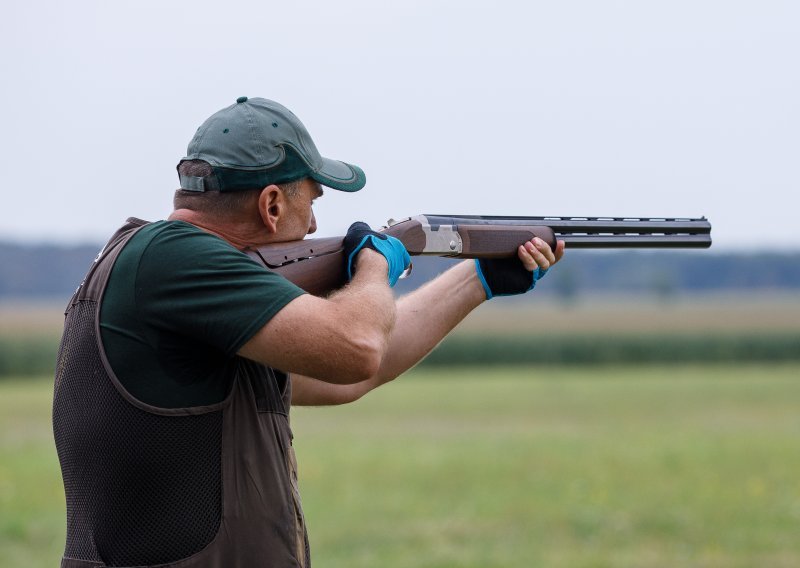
point(318, 265)
point(315, 265)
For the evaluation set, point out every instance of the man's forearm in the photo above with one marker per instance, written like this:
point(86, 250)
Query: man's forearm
point(427, 315)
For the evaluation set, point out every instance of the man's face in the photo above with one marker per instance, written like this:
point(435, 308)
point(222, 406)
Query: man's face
point(299, 219)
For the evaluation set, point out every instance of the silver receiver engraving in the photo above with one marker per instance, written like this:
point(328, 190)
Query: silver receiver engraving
point(444, 240)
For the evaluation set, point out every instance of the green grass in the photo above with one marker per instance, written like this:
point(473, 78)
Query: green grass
point(635, 467)
point(32, 508)
point(644, 467)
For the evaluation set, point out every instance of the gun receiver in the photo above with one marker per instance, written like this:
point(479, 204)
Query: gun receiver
point(317, 265)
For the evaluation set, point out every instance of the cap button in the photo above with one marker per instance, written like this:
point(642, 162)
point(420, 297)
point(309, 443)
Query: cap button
point(241, 100)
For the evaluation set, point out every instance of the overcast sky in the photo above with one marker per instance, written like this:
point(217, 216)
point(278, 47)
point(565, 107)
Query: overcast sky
point(667, 108)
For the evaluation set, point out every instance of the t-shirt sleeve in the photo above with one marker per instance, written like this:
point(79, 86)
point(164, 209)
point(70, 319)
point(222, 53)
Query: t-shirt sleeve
point(195, 284)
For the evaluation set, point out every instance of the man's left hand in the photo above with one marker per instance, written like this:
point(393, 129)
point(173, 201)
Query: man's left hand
point(511, 276)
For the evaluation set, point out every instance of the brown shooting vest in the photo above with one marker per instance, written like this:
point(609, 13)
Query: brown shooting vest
point(210, 486)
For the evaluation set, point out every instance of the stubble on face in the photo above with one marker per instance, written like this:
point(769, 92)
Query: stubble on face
point(300, 220)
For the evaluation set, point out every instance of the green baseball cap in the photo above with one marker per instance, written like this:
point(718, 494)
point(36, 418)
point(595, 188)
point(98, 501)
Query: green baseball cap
point(257, 142)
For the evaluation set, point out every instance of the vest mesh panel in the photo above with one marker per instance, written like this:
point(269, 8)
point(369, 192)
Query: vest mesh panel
point(160, 497)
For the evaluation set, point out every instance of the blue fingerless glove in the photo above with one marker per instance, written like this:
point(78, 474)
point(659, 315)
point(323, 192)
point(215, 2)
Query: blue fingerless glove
point(506, 276)
point(360, 236)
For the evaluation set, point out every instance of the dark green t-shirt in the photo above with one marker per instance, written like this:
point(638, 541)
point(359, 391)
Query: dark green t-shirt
point(179, 304)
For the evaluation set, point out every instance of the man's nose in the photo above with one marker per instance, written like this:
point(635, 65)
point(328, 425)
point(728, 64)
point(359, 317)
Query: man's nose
point(312, 227)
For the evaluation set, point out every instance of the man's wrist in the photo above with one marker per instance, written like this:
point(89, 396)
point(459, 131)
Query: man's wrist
point(475, 282)
point(372, 262)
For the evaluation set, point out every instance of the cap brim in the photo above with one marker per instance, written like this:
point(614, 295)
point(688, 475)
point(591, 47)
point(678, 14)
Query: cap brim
point(340, 175)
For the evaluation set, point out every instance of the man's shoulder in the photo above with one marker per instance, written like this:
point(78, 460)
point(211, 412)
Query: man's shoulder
point(179, 258)
point(172, 244)
point(180, 233)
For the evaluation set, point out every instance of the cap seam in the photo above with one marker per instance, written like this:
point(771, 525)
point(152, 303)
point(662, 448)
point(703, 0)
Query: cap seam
point(253, 133)
point(203, 133)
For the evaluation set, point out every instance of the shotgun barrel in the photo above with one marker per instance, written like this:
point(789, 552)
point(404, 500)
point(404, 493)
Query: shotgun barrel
point(602, 232)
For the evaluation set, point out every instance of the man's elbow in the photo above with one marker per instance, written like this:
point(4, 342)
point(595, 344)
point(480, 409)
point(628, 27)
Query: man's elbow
point(366, 359)
point(355, 357)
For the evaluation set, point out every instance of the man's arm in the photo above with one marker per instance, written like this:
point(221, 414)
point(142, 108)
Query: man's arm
point(424, 318)
point(341, 339)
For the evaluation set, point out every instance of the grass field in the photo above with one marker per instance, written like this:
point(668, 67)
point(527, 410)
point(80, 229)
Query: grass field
point(644, 467)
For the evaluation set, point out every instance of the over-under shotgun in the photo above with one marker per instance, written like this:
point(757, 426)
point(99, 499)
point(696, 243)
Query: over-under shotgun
point(317, 265)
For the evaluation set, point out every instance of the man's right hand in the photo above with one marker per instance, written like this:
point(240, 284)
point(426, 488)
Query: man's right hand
point(360, 236)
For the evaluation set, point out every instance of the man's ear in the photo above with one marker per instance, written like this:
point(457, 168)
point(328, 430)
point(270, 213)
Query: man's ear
point(271, 203)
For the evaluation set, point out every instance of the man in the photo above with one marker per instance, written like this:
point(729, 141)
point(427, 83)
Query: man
point(181, 356)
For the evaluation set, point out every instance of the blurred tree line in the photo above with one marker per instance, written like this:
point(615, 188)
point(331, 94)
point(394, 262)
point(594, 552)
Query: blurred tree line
point(43, 270)
point(49, 270)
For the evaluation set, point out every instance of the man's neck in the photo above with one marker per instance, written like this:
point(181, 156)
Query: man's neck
point(241, 235)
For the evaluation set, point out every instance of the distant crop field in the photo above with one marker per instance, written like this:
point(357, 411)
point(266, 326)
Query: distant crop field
point(712, 313)
point(505, 467)
point(542, 315)
point(31, 318)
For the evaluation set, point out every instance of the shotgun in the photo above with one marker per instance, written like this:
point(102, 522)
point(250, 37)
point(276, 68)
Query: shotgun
point(317, 265)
